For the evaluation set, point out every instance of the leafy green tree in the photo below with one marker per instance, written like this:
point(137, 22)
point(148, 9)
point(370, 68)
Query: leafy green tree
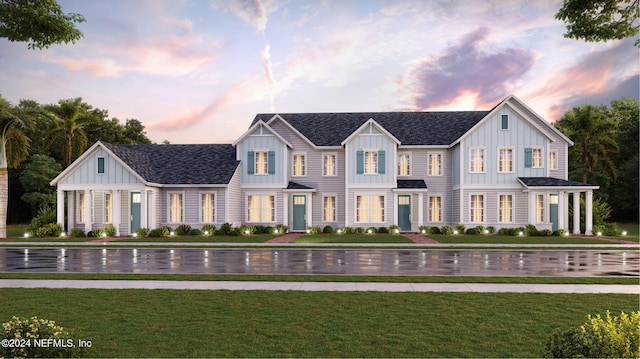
point(66, 130)
point(14, 148)
point(600, 20)
point(35, 178)
point(594, 141)
point(40, 23)
point(134, 132)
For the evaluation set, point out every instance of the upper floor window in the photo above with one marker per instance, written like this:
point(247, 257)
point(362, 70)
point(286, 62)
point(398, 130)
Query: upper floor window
point(553, 160)
point(505, 122)
point(505, 160)
point(101, 166)
point(299, 167)
point(435, 164)
point(404, 164)
point(476, 160)
point(329, 164)
point(261, 162)
point(536, 158)
point(370, 162)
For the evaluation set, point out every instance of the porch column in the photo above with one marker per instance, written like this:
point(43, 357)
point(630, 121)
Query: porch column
point(420, 210)
point(88, 217)
point(60, 207)
point(532, 208)
point(561, 210)
point(143, 208)
point(115, 195)
point(576, 212)
point(309, 203)
point(285, 209)
point(71, 210)
point(588, 220)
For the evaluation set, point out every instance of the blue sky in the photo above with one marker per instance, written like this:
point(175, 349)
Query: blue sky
point(199, 71)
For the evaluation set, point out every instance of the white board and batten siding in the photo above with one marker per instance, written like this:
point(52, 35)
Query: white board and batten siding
point(87, 172)
point(371, 139)
point(263, 139)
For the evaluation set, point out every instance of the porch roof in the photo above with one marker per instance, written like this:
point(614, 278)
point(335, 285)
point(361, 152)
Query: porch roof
point(545, 182)
point(411, 184)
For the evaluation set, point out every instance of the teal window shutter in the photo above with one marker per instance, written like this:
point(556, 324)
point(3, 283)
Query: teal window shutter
point(271, 161)
point(528, 157)
point(381, 162)
point(359, 162)
point(100, 165)
point(505, 122)
point(251, 162)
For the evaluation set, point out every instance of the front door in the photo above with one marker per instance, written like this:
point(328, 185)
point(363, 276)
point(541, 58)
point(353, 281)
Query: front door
point(404, 212)
point(135, 211)
point(553, 211)
point(299, 213)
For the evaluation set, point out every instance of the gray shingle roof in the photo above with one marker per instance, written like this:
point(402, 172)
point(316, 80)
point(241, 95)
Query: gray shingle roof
point(411, 184)
point(179, 164)
point(295, 185)
point(410, 128)
point(550, 182)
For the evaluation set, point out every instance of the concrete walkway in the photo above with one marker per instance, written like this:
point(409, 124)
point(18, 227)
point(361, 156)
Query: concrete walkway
point(420, 239)
point(326, 286)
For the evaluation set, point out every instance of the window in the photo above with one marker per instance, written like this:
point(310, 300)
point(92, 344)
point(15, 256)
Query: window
point(505, 210)
point(101, 169)
point(175, 208)
point(299, 168)
point(476, 160)
point(262, 163)
point(207, 207)
point(261, 209)
point(370, 162)
point(108, 207)
point(553, 160)
point(404, 164)
point(505, 122)
point(435, 209)
point(369, 208)
point(329, 213)
point(536, 158)
point(81, 207)
point(477, 208)
point(505, 160)
point(435, 164)
point(329, 165)
point(539, 208)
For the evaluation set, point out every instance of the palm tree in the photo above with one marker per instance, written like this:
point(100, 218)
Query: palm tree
point(14, 148)
point(68, 118)
point(593, 136)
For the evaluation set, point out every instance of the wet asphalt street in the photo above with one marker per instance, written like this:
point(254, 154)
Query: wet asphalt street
point(573, 263)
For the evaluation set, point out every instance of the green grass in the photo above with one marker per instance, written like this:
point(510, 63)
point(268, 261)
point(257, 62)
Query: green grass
point(633, 231)
point(467, 238)
point(351, 238)
point(257, 238)
point(166, 323)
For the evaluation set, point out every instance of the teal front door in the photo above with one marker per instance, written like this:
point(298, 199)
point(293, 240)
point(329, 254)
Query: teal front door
point(135, 211)
point(299, 213)
point(404, 212)
point(553, 211)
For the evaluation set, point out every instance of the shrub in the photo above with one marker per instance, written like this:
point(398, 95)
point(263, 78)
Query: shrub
point(348, 230)
point(313, 230)
point(225, 229)
point(358, 230)
point(473, 231)
point(559, 233)
point(383, 230)
point(517, 230)
point(617, 337)
point(607, 229)
point(545, 232)
point(460, 228)
point(246, 230)
point(45, 216)
point(491, 229)
point(183, 230)
point(142, 232)
point(195, 232)
point(36, 328)
point(394, 229)
point(48, 230)
point(434, 230)
point(77, 232)
point(371, 230)
point(327, 229)
point(505, 231)
point(448, 230)
point(531, 230)
point(268, 230)
point(163, 231)
point(259, 229)
point(210, 229)
point(282, 229)
point(110, 230)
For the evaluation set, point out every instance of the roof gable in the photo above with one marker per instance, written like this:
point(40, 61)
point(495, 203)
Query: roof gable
point(374, 127)
point(261, 127)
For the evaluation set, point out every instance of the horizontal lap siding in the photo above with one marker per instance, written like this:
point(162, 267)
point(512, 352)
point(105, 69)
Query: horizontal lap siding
point(235, 200)
point(191, 205)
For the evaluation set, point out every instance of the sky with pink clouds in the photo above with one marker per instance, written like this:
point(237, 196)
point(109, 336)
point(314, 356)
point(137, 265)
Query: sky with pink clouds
point(199, 71)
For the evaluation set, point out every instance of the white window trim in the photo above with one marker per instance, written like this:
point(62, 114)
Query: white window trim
point(334, 195)
point(513, 159)
point(545, 209)
point(275, 207)
point(410, 163)
point(553, 165)
point(335, 164)
point(541, 157)
point(255, 162)
point(508, 122)
point(441, 154)
point(484, 160)
point(104, 202)
point(293, 164)
point(513, 202)
point(104, 159)
point(484, 207)
point(370, 209)
point(441, 207)
point(215, 206)
point(364, 161)
point(182, 193)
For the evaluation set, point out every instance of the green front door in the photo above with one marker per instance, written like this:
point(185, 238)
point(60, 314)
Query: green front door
point(135, 211)
point(553, 211)
point(299, 213)
point(404, 212)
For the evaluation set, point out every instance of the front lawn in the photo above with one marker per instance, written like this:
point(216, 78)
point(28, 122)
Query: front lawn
point(176, 323)
point(499, 239)
point(256, 238)
point(351, 238)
